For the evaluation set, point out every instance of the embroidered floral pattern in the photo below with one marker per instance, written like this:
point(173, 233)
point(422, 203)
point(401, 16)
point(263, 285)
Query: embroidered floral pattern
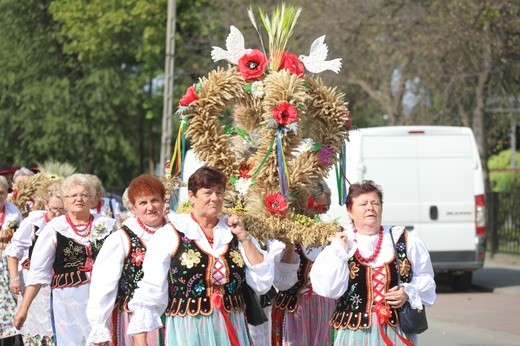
point(138, 257)
point(237, 258)
point(73, 251)
point(356, 300)
point(354, 270)
point(190, 258)
point(404, 267)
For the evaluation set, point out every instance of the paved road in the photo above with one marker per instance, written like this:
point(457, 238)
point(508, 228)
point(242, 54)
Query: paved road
point(488, 314)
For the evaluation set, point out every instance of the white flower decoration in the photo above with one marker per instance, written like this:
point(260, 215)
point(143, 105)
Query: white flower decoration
point(307, 144)
point(252, 141)
point(257, 89)
point(242, 185)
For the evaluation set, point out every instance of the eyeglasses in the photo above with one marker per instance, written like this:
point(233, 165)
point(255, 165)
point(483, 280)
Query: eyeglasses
point(57, 210)
point(76, 196)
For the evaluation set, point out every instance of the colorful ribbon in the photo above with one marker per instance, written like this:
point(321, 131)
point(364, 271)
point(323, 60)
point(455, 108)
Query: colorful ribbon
point(283, 178)
point(341, 179)
point(179, 150)
point(216, 299)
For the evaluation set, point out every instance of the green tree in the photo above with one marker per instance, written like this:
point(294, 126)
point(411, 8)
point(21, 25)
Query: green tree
point(501, 177)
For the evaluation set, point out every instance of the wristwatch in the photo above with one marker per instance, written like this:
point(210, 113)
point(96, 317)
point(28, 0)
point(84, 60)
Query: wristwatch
point(248, 236)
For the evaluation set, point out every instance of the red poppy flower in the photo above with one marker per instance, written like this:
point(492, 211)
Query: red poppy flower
point(285, 114)
point(244, 171)
point(291, 63)
point(311, 204)
point(189, 97)
point(252, 65)
point(276, 203)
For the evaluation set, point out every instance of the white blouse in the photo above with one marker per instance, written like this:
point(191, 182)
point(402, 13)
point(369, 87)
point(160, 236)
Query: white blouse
point(151, 297)
point(44, 252)
point(330, 272)
point(106, 273)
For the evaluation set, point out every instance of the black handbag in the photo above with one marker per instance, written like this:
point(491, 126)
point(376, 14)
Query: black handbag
point(411, 321)
point(254, 312)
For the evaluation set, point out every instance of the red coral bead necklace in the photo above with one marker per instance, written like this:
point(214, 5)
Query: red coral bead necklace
point(146, 228)
point(83, 230)
point(208, 237)
point(377, 250)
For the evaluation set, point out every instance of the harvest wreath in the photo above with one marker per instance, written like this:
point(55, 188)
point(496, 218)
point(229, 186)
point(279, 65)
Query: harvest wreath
point(261, 148)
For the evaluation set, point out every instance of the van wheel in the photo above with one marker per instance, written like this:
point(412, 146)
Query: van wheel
point(462, 282)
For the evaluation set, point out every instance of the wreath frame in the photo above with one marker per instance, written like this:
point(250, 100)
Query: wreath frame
point(323, 106)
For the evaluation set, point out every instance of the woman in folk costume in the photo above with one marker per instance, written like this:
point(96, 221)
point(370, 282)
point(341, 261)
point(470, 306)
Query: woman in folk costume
point(104, 205)
point(118, 267)
point(361, 269)
point(300, 316)
point(37, 329)
point(10, 218)
point(194, 271)
point(63, 257)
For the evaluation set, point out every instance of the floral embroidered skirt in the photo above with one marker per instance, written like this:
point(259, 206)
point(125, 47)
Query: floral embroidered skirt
point(8, 303)
point(37, 328)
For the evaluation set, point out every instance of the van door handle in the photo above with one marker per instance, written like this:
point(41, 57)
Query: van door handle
point(434, 212)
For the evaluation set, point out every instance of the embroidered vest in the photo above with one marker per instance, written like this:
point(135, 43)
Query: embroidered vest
point(288, 300)
point(132, 271)
point(354, 307)
point(190, 279)
point(71, 263)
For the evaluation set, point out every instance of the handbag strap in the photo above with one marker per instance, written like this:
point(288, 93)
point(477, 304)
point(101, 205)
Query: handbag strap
point(396, 258)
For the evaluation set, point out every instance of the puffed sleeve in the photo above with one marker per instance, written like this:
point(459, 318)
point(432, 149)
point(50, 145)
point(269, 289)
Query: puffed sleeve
point(151, 297)
point(259, 276)
point(104, 284)
point(43, 257)
point(421, 290)
point(285, 274)
point(330, 272)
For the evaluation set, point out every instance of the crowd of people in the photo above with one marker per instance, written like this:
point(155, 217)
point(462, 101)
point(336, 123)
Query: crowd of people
point(80, 272)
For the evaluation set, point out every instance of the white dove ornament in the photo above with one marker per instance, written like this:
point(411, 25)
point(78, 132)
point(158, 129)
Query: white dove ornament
point(235, 48)
point(315, 62)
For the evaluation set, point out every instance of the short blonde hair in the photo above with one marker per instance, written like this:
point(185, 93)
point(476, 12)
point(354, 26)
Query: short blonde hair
point(75, 180)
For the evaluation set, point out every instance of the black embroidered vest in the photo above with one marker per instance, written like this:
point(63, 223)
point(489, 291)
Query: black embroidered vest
point(354, 307)
point(190, 279)
point(132, 271)
point(288, 300)
point(71, 263)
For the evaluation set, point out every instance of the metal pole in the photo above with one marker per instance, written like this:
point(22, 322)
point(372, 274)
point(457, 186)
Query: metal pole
point(513, 142)
point(169, 64)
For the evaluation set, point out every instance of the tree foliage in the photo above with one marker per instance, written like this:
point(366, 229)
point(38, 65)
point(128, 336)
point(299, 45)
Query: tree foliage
point(501, 177)
point(82, 80)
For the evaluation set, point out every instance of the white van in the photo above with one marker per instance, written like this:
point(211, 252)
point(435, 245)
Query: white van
point(432, 183)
